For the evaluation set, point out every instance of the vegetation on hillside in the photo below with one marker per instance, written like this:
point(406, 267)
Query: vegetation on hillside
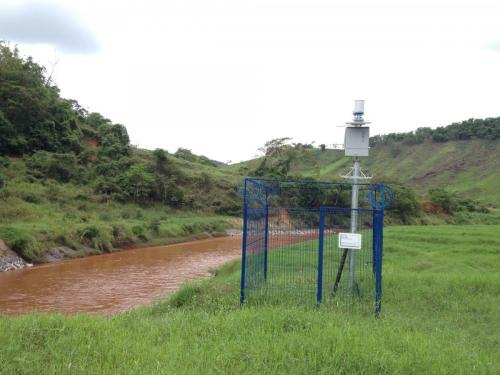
point(419, 200)
point(439, 315)
point(471, 129)
point(71, 178)
point(60, 140)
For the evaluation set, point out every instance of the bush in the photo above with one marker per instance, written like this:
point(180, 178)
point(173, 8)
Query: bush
point(22, 243)
point(229, 208)
point(405, 205)
point(4, 162)
point(96, 237)
point(154, 226)
point(444, 199)
point(60, 167)
point(122, 235)
point(140, 232)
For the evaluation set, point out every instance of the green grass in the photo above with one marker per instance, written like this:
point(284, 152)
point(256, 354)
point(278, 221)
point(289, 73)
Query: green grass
point(440, 315)
point(104, 234)
point(39, 215)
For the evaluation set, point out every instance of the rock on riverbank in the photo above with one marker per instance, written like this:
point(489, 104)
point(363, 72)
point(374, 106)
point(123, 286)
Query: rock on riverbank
point(9, 260)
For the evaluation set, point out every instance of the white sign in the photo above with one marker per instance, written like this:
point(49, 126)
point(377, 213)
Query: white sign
point(350, 241)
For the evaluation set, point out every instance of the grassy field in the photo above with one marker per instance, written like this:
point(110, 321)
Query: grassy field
point(440, 315)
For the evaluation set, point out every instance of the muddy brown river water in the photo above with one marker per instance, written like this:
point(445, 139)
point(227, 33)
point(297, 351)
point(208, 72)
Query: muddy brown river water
point(115, 282)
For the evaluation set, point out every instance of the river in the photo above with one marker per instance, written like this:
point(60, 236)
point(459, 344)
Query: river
point(111, 283)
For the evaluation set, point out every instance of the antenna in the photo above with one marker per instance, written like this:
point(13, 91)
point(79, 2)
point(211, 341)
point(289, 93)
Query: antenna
point(356, 143)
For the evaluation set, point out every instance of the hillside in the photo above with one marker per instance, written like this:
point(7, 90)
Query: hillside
point(468, 167)
point(71, 183)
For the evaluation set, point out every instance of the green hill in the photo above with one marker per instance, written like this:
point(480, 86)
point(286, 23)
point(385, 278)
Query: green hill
point(470, 168)
point(71, 183)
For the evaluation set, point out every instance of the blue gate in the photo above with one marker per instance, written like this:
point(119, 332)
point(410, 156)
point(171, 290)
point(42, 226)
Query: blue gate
point(299, 245)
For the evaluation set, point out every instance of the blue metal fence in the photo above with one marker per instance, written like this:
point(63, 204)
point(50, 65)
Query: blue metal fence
point(291, 250)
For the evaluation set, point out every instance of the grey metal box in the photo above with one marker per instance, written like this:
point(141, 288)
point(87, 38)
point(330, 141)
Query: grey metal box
point(356, 141)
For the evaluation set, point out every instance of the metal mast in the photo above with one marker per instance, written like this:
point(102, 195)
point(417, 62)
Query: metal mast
point(355, 144)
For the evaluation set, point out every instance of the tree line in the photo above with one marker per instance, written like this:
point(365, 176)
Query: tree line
point(488, 128)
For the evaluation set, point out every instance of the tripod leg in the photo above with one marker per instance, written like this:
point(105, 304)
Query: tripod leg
point(339, 272)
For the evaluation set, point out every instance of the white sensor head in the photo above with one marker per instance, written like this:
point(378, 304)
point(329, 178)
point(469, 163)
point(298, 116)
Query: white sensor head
point(359, 108)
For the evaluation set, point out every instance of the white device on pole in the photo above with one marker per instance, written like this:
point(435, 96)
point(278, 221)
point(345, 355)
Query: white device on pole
point(356, 143)
point(357, 135)
point(359, 107)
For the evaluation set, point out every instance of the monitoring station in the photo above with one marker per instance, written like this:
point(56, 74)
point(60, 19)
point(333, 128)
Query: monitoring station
point(300, 235)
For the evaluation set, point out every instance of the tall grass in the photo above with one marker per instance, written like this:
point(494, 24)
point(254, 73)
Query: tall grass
point(440, 315)
point(37, 216)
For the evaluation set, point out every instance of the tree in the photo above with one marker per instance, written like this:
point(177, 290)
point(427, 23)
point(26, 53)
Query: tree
point(166, 180)
point(279, 157)
point(137, 182)
point(405, 205)
point(34, 117)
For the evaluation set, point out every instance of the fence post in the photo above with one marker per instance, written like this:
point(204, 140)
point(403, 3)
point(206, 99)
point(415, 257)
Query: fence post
point(319, 292)
point(375, 239)
point(244, 245)
point(378, 270)
point(266, 235)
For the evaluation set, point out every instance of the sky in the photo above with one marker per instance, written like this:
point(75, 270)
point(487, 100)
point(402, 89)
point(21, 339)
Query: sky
point(222, 77)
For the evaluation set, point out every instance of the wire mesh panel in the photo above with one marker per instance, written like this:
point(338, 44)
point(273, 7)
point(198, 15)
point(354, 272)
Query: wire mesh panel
point(293, 249)
point(348, 274)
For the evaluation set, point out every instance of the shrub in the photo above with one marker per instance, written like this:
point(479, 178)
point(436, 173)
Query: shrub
point(229, 208)
point(154, 226)
point(122, 235)
point(60, 167)
point(405, 205)
point(22, 243)
point(444, 199)
point(4, 162)
point(140, 232)
point(96, 237)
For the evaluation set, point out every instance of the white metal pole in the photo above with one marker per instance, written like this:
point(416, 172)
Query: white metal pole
point(354, 220)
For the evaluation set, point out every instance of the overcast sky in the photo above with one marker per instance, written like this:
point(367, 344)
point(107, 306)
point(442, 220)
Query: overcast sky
point(222, 77)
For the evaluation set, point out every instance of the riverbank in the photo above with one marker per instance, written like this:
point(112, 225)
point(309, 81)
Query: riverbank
point(9, 260)
point(53, 240)
point(440, 315)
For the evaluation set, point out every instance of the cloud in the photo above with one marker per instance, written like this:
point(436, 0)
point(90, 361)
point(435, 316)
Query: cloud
point(46, 23)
